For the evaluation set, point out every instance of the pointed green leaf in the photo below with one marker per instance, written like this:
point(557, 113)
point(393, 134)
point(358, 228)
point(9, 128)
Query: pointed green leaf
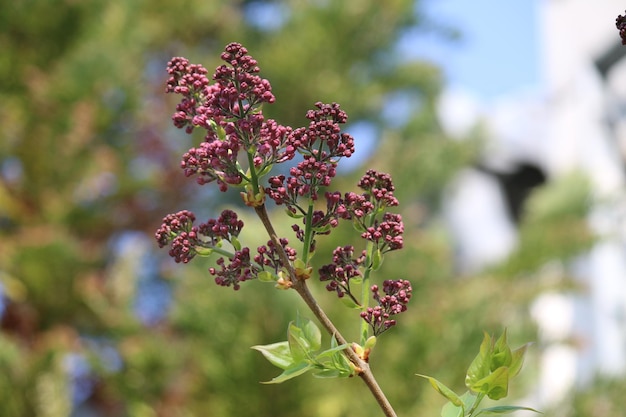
point(501, 355)
point(304, 338)
point(480, 366)
point(291, 372)
point(517, 360)
point(444, 390)
point(505, 409)
point(277, 353)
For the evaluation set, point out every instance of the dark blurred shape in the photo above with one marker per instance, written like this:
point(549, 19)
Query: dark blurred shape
point(516, 185)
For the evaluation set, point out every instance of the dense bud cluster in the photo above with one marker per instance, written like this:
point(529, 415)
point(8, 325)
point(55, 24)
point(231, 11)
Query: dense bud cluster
point(228, 108)
point(343, 268)
point(395, 300)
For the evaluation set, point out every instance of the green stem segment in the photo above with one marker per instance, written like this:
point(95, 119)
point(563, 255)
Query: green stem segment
point(365, 292)
point(302, 289)
point(308, 234)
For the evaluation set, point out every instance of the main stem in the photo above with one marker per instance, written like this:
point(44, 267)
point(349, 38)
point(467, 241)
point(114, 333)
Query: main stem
point(302, 289)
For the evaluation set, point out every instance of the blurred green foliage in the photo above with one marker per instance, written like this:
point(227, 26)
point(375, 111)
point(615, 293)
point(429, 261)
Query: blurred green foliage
point(87, 152)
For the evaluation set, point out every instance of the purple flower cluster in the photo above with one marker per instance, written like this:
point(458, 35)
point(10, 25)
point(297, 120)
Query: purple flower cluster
point(268, 257)
point(620, 23)
point(187, 240)
point(237, 270)
point(322, 145)
point(386, 234)
point(378, 188)
point(229, 110)
point(178, 231)
point(395, 300)
point(343, 268)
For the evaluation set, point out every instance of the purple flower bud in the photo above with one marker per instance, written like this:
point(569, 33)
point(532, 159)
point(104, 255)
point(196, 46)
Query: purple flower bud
point(395, 300)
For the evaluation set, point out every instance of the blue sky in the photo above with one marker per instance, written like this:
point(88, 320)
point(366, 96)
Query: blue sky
point(498, 51)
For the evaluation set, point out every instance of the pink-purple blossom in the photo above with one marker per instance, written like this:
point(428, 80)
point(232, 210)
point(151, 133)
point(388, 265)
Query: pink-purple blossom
point(397, 296)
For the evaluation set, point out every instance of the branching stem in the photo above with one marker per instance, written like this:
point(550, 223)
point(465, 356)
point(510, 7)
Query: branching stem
point(303, 290)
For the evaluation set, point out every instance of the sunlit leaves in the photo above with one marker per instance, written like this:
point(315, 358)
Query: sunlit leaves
point(488, 375)
point(299, 354)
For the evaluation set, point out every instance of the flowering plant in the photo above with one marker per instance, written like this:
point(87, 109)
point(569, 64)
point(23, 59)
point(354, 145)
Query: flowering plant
point(240, 148)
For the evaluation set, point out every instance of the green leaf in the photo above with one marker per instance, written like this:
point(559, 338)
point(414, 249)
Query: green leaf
point(444, 390)
point(481, 365)
point(278, 354)
point(298, 345)
point(328, 373)
point(495, 385)
point(312, 334)
point(517, 360)
point(451, 410)
point(505, 409)
point(304, 338)
point(291, 372)
point(266, 276)
point(330, 352)
point(501, 355)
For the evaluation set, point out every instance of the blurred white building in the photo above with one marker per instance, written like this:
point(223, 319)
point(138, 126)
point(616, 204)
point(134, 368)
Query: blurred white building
point(578, 122)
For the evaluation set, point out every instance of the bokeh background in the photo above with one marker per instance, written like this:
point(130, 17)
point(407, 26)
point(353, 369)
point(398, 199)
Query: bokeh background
point(509, 167)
